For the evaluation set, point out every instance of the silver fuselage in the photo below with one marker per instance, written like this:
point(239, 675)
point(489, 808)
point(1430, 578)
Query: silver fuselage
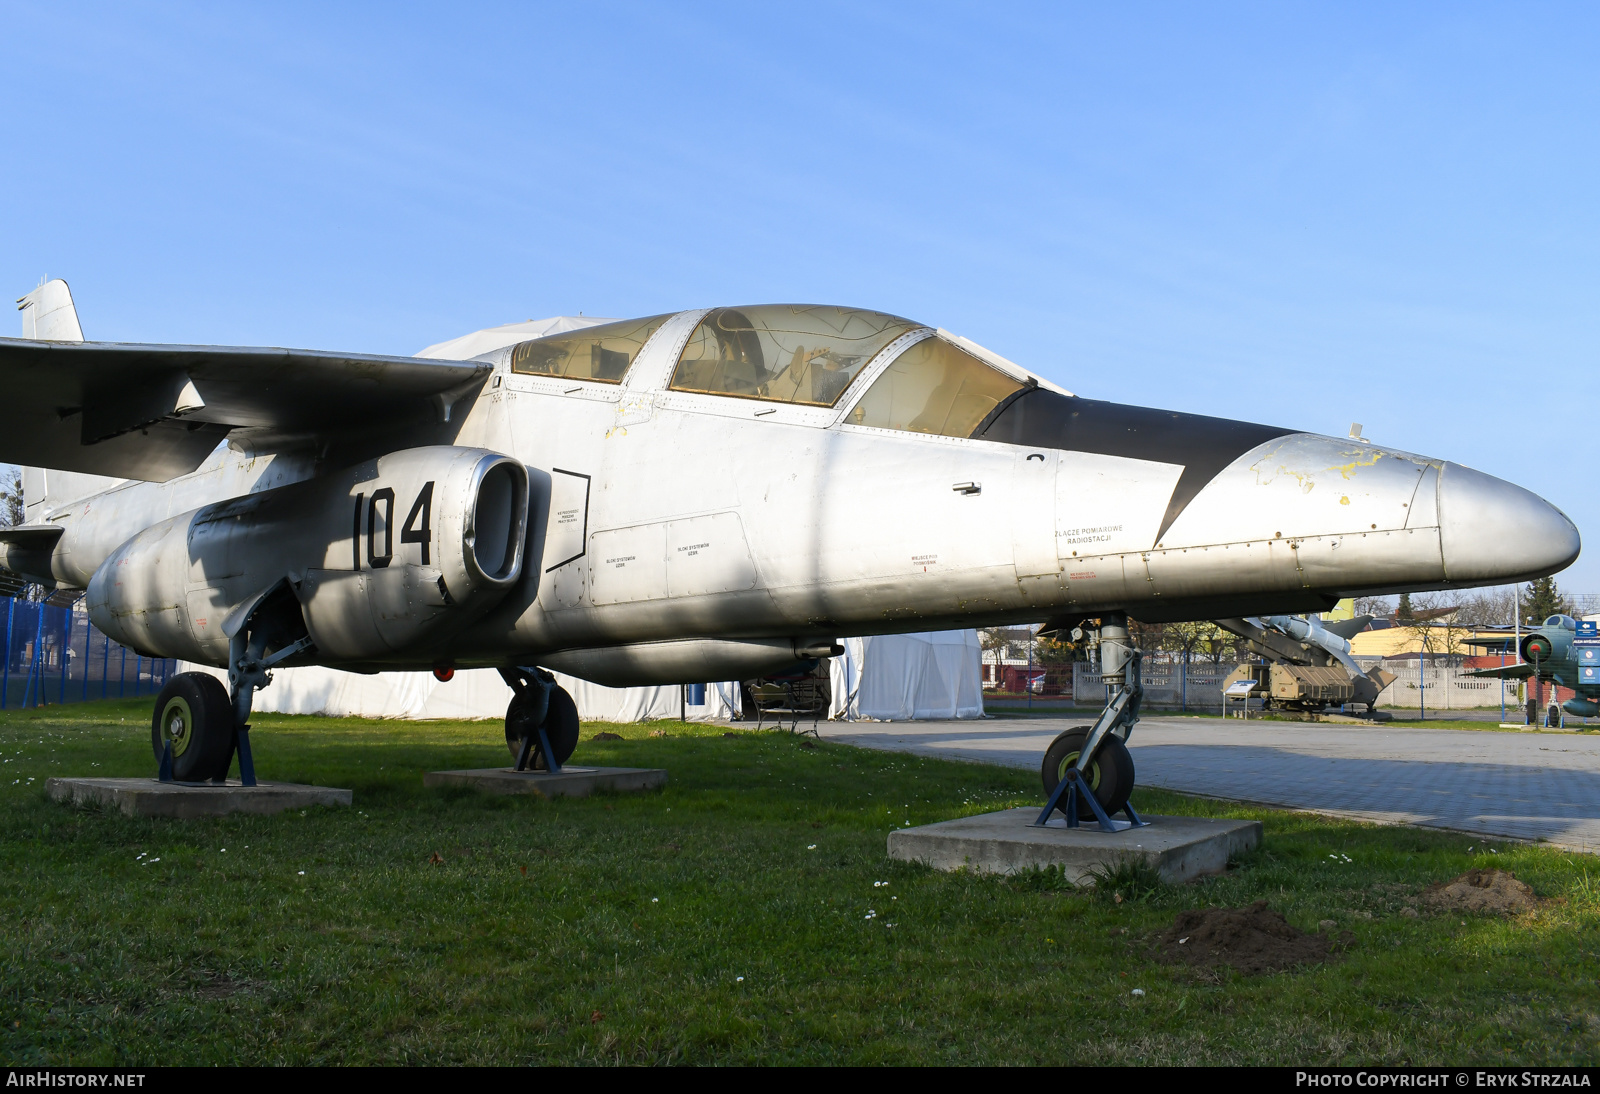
point(663, 516)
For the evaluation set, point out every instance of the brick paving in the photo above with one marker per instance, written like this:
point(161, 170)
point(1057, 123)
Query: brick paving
point(1533, 786)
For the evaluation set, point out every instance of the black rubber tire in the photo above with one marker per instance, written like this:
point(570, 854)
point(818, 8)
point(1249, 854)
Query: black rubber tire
point(560, 725)
point(1110, 775)
point(194, 710)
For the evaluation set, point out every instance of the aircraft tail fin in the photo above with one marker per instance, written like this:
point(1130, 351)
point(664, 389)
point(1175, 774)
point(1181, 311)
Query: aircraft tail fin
point(46, 490)
point(48, 314)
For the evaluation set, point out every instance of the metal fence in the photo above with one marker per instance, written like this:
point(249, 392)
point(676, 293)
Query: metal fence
point(1169, 682)
point(55, 655)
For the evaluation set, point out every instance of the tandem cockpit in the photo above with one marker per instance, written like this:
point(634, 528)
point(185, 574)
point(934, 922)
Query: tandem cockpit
point(846, 365)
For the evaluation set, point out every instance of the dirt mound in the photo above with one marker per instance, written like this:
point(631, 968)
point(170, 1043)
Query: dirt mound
point(1253, 940)
point(606, 737)
point(1482, 891)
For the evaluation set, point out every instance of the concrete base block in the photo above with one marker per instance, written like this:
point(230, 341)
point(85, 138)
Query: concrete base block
point(1180, 848)
point(571, 782)
point(150, 798)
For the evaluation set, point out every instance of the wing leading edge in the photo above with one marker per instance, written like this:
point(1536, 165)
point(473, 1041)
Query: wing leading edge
point(154, 412)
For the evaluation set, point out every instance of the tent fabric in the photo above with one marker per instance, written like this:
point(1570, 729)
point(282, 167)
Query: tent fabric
point(902, 677)
point(896, 677)
point(480, 342)
point(475, 693)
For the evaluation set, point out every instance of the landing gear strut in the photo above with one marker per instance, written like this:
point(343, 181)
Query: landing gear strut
point(1090, 766)
point(541, 722)
point(198, 726)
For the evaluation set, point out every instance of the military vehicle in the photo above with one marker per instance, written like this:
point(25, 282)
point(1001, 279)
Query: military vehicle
point(1305, 663)
point(711, 494)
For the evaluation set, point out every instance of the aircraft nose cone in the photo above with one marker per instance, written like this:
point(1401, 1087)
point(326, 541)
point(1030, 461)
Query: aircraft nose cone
point(1492, 531)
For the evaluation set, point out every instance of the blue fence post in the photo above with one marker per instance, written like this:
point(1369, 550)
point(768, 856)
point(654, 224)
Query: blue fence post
point(36, 662)
point(5, 672)
point(66, 652)
point(122, 675)
point(88, 637)
point(138, 666)
point(105, 667)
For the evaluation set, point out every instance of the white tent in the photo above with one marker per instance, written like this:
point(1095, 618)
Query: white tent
point(478, 693)
point(895, 677)
point(898, 677)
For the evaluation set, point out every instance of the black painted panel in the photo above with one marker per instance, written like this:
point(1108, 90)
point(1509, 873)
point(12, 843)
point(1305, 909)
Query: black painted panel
point(1204, 446)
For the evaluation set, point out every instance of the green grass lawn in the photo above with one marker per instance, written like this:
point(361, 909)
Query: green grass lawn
point(723, 920)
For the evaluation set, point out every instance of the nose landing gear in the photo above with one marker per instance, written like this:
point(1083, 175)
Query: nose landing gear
point(1089, 767)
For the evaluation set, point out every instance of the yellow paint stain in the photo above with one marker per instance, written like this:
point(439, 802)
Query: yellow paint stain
point(1304, 478)
point(1347, 469)
point(1344, 499)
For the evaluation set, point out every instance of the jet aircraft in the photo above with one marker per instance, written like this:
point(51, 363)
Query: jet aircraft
point(707, 494)
point(1551, 653)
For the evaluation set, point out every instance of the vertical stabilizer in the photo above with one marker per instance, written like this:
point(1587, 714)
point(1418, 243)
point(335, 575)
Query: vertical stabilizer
point(48, 314)
point(45, 491)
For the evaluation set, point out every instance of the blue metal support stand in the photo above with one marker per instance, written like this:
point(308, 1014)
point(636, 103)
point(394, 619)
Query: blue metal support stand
point(164, 774)
point(538, 746)
point(247, 763)
point(1072, 788)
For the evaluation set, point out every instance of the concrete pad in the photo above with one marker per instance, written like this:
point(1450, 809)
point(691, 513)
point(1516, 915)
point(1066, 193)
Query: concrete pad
point(571, 782)
point(151, 798)
point(1180, 848)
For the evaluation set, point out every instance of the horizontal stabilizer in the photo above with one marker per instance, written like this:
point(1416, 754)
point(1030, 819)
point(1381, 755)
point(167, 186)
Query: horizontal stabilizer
point(32, 537)
point(1497, 643)
point(154, 412)
point(1505, 672)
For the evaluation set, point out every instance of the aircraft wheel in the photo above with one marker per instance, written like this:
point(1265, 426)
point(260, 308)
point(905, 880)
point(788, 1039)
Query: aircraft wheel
point(560, 725)
point(1110, 775)
point(194, 714)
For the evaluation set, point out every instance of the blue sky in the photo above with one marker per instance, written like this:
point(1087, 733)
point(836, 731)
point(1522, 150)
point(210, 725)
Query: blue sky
point(1299, 214)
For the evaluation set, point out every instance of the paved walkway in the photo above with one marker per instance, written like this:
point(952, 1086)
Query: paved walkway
point(1523, 785)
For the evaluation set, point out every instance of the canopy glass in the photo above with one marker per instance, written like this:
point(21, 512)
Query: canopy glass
point(786, 353)
point(603, 353)
point(934, 387)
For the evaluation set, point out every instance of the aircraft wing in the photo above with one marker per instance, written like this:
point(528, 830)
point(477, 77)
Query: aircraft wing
point(1505, 672)
point(1497, 643)
point(154, 412)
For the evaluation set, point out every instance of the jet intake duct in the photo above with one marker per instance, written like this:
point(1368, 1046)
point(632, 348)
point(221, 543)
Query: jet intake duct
point(688, 661)
point(390, 556)
point(1537, 647)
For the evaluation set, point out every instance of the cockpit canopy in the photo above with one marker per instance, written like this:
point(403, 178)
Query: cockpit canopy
point(803, 355)
point(1565, 622)
point(603, 353)
point(786, 353)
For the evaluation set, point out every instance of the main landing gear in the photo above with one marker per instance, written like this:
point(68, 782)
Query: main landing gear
point(541, 722)
point(1088, 769)
point(199, 724)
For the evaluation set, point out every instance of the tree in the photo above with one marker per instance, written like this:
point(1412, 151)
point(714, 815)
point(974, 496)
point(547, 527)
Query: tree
point(1376, 606)
point(1201, 637)
point(1404, 612)
point(1495, 607)
point(10, 496)
point(1541, 600)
